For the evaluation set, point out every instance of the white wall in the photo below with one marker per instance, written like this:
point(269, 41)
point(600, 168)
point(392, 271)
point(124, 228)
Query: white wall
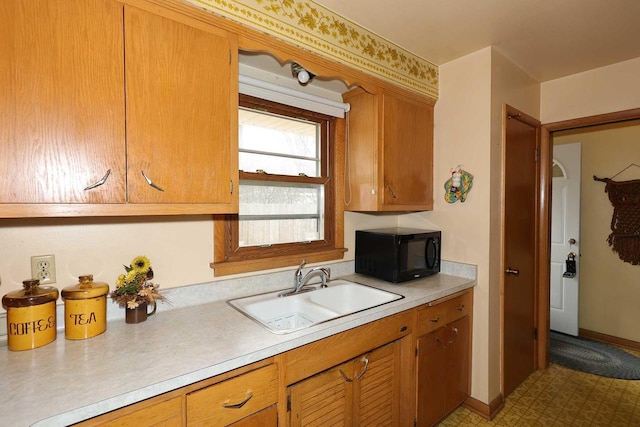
point(602, 90)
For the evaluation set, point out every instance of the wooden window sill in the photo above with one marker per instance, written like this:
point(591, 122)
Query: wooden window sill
point(245, 266)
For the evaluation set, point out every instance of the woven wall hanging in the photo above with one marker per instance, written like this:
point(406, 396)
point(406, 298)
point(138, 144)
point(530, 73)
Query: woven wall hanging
point(625, 222)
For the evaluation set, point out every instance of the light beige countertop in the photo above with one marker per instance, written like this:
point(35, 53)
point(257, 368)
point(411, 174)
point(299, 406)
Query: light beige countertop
point(69, 381)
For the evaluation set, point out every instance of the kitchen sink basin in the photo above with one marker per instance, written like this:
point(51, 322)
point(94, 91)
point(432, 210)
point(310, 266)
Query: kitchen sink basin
point(282, 315)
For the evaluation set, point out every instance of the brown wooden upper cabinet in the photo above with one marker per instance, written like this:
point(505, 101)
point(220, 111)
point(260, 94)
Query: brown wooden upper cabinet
point(390, 151)
point(104, 103)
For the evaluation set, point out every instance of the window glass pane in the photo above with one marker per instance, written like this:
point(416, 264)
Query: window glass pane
point(280, 213)
point(278, 144)
point(557, 171)
point(251, 162)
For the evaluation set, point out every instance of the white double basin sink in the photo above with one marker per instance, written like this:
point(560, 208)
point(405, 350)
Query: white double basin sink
point(285, 314)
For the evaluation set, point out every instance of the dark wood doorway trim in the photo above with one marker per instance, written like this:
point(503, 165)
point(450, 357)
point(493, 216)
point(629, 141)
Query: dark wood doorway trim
point(546, 161)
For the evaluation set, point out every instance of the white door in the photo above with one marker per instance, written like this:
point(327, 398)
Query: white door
point(565, 237)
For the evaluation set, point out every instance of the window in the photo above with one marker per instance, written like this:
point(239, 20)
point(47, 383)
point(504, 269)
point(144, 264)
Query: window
point(287, 190)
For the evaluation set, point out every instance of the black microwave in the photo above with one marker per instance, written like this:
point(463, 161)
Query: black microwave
point(397, 254)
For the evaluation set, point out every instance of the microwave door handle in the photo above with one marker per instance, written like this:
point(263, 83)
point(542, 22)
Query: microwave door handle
point(431, 261)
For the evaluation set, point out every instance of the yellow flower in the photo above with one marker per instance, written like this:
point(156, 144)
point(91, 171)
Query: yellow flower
point(131, 276)
point(141, 264)
point(120, 281)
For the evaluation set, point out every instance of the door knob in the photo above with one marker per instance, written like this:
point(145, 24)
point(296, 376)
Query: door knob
point(572, 241)
point(512, 271)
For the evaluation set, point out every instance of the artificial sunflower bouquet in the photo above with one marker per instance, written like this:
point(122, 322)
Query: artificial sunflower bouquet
point(135, 287)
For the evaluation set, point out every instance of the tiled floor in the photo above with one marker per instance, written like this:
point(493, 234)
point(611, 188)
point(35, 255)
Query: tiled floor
point(562, 397)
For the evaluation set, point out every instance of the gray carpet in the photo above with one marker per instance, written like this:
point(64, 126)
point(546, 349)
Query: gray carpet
point(593, 357)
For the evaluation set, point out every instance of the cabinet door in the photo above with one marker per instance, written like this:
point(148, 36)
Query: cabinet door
point(61, 102)
point(458, 359)
point(432, 376)
point(324, 399)
point(362, 392)
point(408, 152)
point(443, 371)
point(180, 93)
point(377, 387)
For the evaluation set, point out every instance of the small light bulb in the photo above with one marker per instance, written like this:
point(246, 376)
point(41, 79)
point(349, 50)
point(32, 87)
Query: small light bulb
point(303, 76)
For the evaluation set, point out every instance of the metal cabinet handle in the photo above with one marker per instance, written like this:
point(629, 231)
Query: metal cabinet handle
point(151, 183)
point(435, 319)
point(100, 182)
point(512, 271)
point(455, 337)
point(346, 378)
point(364, 369)
point(460, 307)
point(238, 405)
point(393, 194)
point(440, 343)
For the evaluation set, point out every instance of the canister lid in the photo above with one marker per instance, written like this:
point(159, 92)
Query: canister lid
point(86, 289)
point(31, 294)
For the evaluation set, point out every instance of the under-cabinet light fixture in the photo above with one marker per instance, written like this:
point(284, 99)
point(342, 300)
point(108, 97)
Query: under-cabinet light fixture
point(300, 73)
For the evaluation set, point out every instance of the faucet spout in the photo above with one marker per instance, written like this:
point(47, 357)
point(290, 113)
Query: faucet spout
point(324, 272)
point(300, 281)
point(297, 277)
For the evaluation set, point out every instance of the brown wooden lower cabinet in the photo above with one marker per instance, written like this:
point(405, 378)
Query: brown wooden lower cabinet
point(364, 391)
point(443, 371)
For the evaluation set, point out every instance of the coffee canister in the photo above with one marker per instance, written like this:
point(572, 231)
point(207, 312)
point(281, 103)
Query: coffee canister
point(31, 315)
point(85, 308)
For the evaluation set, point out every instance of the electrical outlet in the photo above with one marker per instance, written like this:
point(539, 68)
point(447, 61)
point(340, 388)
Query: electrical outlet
point(43, 268)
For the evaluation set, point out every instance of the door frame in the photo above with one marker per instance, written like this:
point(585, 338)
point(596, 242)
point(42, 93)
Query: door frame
point(546, 162)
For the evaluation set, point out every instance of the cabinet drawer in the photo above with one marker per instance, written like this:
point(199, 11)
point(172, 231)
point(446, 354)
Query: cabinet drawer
point(431, 317)
point(221, 404)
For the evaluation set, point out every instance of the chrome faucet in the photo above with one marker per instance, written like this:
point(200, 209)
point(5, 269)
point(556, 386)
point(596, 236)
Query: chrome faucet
point(300, 281)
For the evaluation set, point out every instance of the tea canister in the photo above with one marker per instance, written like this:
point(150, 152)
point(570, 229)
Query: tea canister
point(31, 315)
point(85, 308)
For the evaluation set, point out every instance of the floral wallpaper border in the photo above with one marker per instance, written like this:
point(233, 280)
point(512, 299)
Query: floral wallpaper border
point(316, 28)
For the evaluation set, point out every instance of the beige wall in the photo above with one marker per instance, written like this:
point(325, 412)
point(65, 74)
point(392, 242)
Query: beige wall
point(609, 288)
point(180, 248)
point(468, 131)
point(603, 90)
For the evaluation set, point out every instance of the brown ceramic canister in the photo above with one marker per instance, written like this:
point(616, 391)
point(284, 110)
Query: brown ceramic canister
point(85, 308)
point(31, 315)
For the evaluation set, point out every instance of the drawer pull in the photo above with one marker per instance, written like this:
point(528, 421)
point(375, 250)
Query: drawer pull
point(346, 378)
point(364, 369)
point(455, 337)
point(238, 405)
point(435, 319)
point(460, 307)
